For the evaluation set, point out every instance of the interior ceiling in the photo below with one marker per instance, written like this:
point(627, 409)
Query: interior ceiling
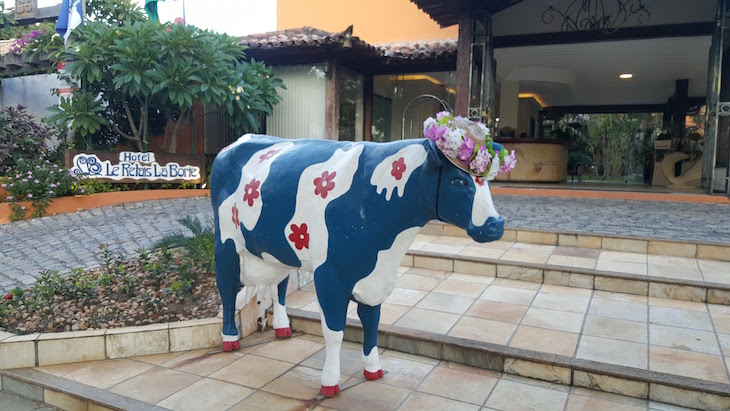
point(588, 73)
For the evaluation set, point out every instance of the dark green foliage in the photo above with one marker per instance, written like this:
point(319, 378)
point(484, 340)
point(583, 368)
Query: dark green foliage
point(198, 248)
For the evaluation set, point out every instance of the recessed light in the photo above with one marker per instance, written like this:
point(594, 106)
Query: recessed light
point(625, 75)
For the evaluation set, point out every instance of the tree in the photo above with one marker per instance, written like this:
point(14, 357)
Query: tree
point(147, 68)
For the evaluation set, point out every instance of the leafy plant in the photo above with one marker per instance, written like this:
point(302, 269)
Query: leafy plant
point(22, 137)
point(80, 112)
point(48, 284)
point(198, 248)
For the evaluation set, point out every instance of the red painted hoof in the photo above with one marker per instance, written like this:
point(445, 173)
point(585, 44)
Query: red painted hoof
point(283, 332)
point(231, 345)
point(373, 375)
point(330, 391)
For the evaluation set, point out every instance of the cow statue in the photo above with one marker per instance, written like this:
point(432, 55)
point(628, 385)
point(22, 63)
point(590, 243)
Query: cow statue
point(346, 211)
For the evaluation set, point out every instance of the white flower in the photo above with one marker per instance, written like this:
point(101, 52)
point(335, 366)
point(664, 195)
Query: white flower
point(493, 168)
point(452, 142)
point(429, 122)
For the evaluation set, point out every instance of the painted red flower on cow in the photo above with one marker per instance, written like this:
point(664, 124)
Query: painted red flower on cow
point(323, 185)
point(479, 180)
point(299, 236)
point(251, 191)
point(268, 155)
point(399, 167)
point(235, 219)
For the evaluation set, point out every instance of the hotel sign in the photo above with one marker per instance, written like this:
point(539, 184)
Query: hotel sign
point(134, 166)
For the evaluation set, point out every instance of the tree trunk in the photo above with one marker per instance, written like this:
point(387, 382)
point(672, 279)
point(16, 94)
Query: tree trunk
point(175, 128)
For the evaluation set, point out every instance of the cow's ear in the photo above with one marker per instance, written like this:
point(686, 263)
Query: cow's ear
point(434, 155)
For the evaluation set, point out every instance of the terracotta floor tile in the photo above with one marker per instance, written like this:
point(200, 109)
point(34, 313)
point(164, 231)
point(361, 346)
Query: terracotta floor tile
point(427, 272)
point(534, 248)
point(677, 317)
point(621, 267)
point(350, 361)
point(616, 329)
point(300, 298)
point(427, 320)
point(292, 350)
point(497, 311)
point(453, 240)
point(471, 278)
point(549, 341)
point(581, 403)
point(571, 261)
point(623, 257)
point(683, 339)
point(444, 249)
point(402, 372)
point(563, 302)
point(524, 257)
point(390, 313)
point(522, 285)
point(155, 385)
point(508, 295)
point(559, 289)
point(509, 395)
point(690, 364)
point(302, 383)
point(461, 288)
point(417, 282)
point(420, 401)
point(104, 374)
point(206, 394)
point(368, 396)
point(499, 245)
point(199, 362)
point(446, 303)
point(618, 309)
point(62, 370)
point(458, 385)
point(252, 371)
point(680, 272)
point(613, 351)
point(483, 330)
point(577, 252)
point(481, 252)
point(426, 238)
point(553, 319)
point(263, 401)
point(404, 296)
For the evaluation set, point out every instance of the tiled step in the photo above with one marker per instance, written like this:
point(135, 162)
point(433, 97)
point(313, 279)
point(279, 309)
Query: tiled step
point(644, 347)
point(62, 394)
point(681, 278)
point(653, 246)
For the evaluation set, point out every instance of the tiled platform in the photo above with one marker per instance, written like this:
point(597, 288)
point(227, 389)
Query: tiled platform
point(682, 338)
point(284, 375)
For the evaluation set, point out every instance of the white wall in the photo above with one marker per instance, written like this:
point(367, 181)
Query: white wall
point(33, 92)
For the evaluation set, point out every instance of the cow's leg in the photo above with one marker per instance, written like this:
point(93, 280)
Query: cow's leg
point(281, 320)
point(370, 317)
point(227, 269)
point(333, 309)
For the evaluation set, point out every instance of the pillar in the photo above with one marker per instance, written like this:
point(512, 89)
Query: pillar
point(509, 102)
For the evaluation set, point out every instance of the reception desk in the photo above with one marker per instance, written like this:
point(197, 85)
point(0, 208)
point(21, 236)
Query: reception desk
point(537, 160)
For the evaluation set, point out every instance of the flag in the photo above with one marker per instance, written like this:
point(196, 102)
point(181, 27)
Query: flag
point(150, 6)
point(69, 18)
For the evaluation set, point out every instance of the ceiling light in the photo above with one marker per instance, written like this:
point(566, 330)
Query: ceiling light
point(625, 75)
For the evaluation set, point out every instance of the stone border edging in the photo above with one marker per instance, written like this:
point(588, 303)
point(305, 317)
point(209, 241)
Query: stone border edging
point(653, 246)
point(41, 349)
point(672, 288)
point(633, 382)
point(66, 394)
point(503, 189)
point(73, 204)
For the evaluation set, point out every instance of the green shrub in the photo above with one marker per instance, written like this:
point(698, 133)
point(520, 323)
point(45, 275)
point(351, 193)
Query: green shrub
point(198, 248)
point(21, 137)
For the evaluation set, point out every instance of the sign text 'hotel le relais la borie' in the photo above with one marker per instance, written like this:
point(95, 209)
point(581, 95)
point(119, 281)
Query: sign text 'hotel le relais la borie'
point(134, 166)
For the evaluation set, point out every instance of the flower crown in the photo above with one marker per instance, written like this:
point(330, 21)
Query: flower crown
point(468, 145)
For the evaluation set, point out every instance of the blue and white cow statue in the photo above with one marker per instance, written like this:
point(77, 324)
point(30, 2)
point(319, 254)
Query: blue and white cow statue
point(346, 211)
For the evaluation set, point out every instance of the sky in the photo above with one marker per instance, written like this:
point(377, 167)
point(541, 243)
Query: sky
point(235, 17)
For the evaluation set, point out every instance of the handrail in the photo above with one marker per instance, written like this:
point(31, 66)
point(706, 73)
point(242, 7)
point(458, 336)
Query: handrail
point(444, 104)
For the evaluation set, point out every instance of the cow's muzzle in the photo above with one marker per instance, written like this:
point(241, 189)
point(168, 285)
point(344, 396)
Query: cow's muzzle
point(492, 230)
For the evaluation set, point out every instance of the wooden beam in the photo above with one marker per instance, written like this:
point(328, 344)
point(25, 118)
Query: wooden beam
point(463, 66)
point(332, 103)
point(628, 33)
point(40, 14)
point(367, 120)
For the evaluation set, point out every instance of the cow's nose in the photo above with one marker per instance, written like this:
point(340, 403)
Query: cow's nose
point(492, 230)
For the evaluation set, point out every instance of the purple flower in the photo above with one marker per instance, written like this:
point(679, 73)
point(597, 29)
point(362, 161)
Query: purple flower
point(3, 185)
point(50, 191)
point(51, 172)
point(17, 176)
point(36, 181)
point(30, 195)
point(53, 185)
point(82, 191)
point(466, 150)
point(9, 198)
point(24, 180)
point(22, 207)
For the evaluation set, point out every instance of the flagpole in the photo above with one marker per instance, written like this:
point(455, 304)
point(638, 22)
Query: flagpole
point(83, 11)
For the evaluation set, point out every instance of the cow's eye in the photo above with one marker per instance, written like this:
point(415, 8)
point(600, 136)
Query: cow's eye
point(458, 182)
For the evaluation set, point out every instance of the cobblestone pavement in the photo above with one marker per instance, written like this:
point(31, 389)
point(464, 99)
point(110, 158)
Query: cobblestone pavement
point(69, 241)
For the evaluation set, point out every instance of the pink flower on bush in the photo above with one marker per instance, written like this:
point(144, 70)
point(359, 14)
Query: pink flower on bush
point(30, 195)
point(3, 185)
point(36, 181)
point(22, 207)
point(9, 198)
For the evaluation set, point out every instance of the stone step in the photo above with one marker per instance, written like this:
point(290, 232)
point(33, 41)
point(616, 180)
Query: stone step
point(52, 392)
point(708, 250)
point(638, 346)
point(681, 278)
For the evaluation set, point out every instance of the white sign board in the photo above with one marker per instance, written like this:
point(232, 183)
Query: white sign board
point(132, 165)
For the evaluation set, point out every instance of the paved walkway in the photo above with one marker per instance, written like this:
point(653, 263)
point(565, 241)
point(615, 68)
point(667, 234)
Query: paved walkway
point(284, 375)
point(69, 241)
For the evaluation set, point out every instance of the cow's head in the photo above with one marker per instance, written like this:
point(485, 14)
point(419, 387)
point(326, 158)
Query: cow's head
point(465, 201)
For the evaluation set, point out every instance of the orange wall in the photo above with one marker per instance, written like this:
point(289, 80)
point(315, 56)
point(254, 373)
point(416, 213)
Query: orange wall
point(375, 21)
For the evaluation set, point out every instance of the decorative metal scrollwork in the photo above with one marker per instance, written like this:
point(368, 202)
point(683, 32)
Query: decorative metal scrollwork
point(594, 15)
point(723, 108)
